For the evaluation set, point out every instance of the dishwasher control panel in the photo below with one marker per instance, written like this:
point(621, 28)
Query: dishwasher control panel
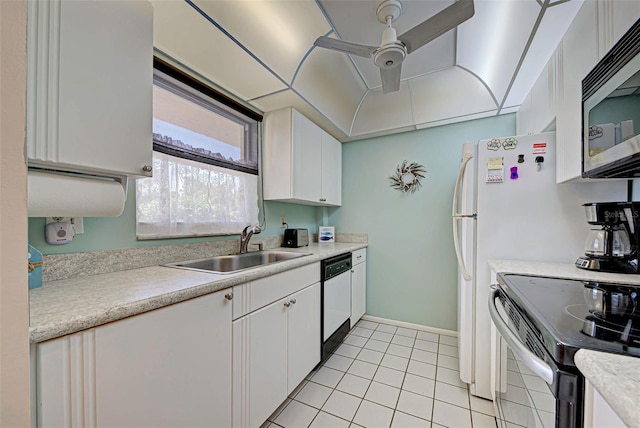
point(335, 266)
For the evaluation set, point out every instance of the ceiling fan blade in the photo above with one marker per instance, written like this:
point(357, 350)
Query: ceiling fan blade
point(437, 25)
point(390, 79)
point(346, 47)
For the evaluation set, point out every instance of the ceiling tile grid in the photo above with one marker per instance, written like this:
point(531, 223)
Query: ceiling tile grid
point(263, 52)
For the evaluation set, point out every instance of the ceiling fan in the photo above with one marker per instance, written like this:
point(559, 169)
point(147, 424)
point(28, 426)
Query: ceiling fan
point(393, 50)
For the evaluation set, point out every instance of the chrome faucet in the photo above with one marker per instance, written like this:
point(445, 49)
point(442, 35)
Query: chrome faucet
point(246, 235)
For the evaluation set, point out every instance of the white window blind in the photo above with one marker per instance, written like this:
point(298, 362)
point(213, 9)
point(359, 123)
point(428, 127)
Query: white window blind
point(205, 168)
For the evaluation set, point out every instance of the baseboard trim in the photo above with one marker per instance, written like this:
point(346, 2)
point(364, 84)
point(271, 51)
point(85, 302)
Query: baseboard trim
point(411, 325)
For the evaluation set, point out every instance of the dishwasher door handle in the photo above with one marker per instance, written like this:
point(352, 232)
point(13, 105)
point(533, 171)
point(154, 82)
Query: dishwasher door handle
point(535, 364)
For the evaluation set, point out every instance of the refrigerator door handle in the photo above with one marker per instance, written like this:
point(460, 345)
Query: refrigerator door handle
point(455, 215)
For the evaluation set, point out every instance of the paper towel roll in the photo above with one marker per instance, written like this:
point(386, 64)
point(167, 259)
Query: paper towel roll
point(58, 195)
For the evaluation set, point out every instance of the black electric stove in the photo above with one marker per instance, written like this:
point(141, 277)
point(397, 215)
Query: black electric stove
point(558, 312)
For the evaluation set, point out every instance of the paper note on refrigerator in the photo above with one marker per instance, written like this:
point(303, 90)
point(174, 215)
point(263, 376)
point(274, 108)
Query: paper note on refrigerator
point(495, 170)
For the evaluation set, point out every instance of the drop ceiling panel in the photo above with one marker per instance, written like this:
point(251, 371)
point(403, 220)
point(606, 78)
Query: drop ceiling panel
point(554, 24)
point(380, 112)
point(491, 43)
point(280, 33)
point(332, 85)
point(449, 94)
point(184, 34)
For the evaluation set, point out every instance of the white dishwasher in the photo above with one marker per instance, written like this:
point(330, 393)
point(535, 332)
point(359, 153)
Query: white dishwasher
point(336, 302)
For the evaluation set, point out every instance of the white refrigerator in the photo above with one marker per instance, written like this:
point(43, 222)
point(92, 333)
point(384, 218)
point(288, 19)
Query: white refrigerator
point(507, 205)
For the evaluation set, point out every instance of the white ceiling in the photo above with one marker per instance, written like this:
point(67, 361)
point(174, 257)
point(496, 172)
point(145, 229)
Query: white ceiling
point(262, 52)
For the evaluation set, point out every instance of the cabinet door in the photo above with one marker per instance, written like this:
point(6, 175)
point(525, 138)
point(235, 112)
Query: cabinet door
point(304, 334)
point(307, 159)
point(65, 381)
point(358, 292)
point(597, 412)
point(578, 55)
point(168, 367)
point(260, 364)
point(615, 18)
point(331, 170)
point(91, 86)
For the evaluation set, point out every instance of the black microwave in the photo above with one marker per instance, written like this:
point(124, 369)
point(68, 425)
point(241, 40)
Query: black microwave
point(611, 112)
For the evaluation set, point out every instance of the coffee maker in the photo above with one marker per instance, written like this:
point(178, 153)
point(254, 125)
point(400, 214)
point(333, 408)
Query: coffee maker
point(613, 247)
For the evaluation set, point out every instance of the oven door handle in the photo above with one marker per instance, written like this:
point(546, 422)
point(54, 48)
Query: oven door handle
point(534, 363)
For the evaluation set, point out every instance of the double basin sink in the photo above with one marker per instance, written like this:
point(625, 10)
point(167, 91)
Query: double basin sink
point(237, 262)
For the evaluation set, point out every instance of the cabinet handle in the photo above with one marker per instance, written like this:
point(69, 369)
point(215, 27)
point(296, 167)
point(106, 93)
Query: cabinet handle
point(293, 301)
point(147, 168)
point(323, 199)
point(228, 296)
point(359, 257)
point(353, 271)
point(287, 304)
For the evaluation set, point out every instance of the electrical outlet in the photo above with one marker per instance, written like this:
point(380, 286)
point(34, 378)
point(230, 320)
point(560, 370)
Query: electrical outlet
point(283, 224)
point(76, 222)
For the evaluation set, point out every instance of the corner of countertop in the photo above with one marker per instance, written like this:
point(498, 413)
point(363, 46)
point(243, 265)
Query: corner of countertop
point(617, 378)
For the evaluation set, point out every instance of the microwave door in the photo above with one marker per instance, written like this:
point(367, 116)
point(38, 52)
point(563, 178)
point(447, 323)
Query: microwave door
point(611, 112)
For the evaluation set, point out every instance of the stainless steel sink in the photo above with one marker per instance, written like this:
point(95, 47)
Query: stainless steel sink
point(237, 262)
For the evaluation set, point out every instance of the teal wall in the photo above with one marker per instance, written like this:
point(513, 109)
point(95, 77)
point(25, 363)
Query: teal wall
point(120, 232)
point(411, 264)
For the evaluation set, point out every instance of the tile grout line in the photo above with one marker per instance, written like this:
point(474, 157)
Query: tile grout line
point(378, 366)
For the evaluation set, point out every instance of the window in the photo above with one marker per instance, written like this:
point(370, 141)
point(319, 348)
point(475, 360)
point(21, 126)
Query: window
point(205, 162)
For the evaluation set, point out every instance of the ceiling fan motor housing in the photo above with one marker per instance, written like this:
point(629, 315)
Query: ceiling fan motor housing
point(390, 56)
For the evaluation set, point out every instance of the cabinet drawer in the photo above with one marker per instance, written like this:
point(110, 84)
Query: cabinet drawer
point(359, 256)
point(259, 293)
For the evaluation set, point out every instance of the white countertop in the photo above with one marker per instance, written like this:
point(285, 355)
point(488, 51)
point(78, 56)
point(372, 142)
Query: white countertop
point(66, 306)
point(615, 377)
point(560, 270)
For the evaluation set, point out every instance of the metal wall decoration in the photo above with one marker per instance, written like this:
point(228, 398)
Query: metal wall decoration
point(407, 177)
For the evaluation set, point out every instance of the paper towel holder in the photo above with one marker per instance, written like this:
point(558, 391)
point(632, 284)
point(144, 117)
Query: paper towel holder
point(75, 193)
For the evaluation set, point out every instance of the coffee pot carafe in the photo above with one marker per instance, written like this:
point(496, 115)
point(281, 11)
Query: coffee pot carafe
point(612, 247)
point(608, 242)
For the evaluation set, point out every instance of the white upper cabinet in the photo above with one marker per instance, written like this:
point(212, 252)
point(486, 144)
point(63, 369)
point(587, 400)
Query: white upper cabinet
point(301, 162)
point(538, 111)
point(90, 77)
point(579, 53)
point(615, 18)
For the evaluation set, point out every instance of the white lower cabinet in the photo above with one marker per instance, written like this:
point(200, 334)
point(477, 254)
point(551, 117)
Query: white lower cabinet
point(167, 367)
point(274, 348)
point(597, 412)
point(358, 285)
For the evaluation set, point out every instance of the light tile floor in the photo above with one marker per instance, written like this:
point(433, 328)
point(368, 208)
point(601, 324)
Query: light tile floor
point(386, 376)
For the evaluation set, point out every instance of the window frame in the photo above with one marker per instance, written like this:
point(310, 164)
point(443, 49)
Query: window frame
point(199, 91)
point(219, 103)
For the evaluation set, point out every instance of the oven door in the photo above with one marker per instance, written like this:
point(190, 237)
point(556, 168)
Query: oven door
point(524, 383)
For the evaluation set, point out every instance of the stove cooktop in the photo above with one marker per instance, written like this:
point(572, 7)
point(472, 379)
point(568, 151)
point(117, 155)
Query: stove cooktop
point(557, 311)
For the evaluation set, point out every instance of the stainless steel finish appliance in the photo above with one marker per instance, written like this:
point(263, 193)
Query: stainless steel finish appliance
point(336, 301)
point(542, 323)
point(613, 245)
point(610, 105)
point(296, 238)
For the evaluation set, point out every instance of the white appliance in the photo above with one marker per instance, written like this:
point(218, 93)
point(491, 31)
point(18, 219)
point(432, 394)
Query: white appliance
point(335, 288)
point(499, 216)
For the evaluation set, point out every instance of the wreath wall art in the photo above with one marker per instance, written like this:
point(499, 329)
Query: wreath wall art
point(407, 177)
